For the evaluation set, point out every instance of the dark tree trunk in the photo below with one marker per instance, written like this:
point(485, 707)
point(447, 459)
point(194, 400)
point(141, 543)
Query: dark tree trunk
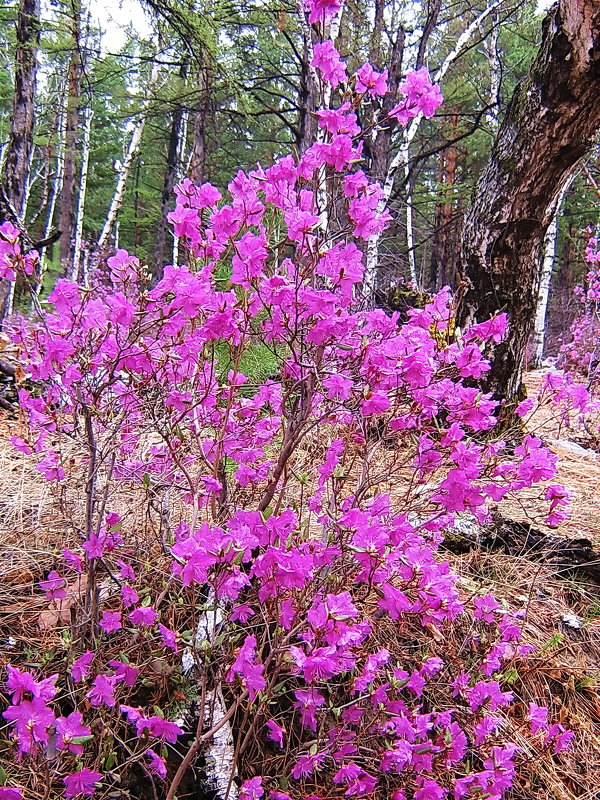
point(442, 267)
point(307, 98)
point(197, 171)
point(379, 151)
point(20, 138)
point(549, 126)
point(171, 173)
point(67, 196)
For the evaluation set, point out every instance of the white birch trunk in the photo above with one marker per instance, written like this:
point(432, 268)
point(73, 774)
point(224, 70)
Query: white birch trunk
point(539, 328)
point(85, 160)
point(181, 159)
point(322, 194)
point(56, 186)
point(220, 752)
point(31, 181)
point(400, 160)
point(134, 144)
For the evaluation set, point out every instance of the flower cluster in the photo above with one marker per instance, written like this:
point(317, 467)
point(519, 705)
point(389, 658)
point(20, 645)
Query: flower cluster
point(580, 353)
point(12, 257)
point(287, 549)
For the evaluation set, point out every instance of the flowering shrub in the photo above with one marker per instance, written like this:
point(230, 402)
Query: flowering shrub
point(299, 514)
point(580, 354)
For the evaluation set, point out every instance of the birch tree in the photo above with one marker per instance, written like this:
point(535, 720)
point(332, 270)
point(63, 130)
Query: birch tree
point(125, 167)
point(73, 273)
point(66, 222)
point(61, 133)
point(549, 255)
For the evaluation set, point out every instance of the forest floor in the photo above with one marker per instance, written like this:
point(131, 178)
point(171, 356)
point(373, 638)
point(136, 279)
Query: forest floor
point(561, 612)
point(578, 469)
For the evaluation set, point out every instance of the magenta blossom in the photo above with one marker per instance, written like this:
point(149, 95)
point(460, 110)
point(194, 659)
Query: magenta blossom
point(54, 586)
point(157, 764)
point(327, 60)
point(371, 81)
point(82, 782)
point(159, 727)
point(144, 615)
point(81, 667)
point(69, 728)
point(322, 10)
point(110, 621)
point(276, 732)
point(103, 691)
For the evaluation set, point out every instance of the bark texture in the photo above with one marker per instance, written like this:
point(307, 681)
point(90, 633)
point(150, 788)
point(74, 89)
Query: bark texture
point(13, 191)
point(171, 174)
point(20, 141)
point(549, 126)
point(202, 119)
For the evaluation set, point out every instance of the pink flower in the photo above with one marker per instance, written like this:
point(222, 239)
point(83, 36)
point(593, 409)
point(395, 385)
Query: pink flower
point(82, 782)
point(371, 81)
point(322, 10)
point(158, 727)
point(327, 60)
point(538, 716)
point(421, 97)
point(168, 637)
point(50, 467)
point(6, 793)
point(94, 546)
point(72, 560)
point(485, 607)
point(157, 764)
point(31, 719)
point(276, 732)
point(306, 765)
point(395, 602)
point(144, 615)
point(430, 790)
point(338, 387)
point(563, 741)
point(110, 621)
point(124, 672)
point(338, 120)
point(80, 668)
point(127, 573)
point(252, 789)
point(376, 404)
point(103, 691)
point(246, 667)
point(129, 595)
point(307, 702)
point(69, 728)
point(21, 683)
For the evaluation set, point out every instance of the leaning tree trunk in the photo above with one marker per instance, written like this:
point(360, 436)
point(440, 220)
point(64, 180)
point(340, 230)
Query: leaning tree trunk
point(20, 138)
point(549, 126)
point(132, 150)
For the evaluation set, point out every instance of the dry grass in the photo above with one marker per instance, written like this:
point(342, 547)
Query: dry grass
point(580, 473)
point(35, 524)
